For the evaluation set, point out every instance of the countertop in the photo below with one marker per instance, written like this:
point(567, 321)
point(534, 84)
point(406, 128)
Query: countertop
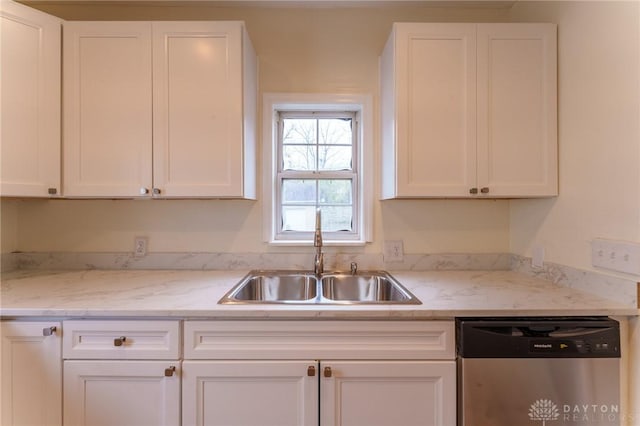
point(195, 294)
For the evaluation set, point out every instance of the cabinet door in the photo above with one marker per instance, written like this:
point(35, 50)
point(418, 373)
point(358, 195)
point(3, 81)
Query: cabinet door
point(198, 109)
point(31, 374)
point(436, 111)
point(517, 117)
point(121, 393)
point(30, 92)
point(250, 393)
point(107, 108)
point(388, 393)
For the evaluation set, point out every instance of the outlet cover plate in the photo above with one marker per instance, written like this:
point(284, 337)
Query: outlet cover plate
point(393, 251)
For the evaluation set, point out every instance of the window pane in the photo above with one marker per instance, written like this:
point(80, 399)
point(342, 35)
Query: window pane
point(335, 191)
point(337, 218)
point(299, 191)
point(335, 131)
point(299, 218)
point(299, 131)
point(299, 157)
point(334, 157)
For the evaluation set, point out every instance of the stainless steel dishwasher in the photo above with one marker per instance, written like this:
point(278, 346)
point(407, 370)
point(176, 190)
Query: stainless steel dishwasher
point(538, 371)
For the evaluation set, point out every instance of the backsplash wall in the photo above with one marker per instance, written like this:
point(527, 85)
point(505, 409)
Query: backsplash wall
point(324, 49)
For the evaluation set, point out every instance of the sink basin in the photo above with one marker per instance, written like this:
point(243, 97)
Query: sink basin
point(377, 287)
point(273, 287)
point(302, 287)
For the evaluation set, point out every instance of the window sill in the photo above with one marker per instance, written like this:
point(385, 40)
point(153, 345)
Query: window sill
point(325, 243)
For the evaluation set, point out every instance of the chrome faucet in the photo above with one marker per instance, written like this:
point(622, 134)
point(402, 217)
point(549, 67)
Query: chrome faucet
point(318, 263)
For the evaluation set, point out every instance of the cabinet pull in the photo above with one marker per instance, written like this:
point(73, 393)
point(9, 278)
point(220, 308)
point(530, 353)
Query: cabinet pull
point(473, 191)
point(144, 191)
point(52, 191)
point(156, 191)
point(48, 331)
point(327, 372)
point(485, 190)
point(168, 372)
point(311, 371)
point(119, 341)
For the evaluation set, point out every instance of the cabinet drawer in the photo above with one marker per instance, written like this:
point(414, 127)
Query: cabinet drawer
point(319, 340)
point(121, 339)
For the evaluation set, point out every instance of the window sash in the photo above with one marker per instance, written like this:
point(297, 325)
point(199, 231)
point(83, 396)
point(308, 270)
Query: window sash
point(318, 175)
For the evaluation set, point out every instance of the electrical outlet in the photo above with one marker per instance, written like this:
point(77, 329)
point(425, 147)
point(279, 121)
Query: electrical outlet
point(140, 246)
point(393, 251)
point(621, 256)
point(537, 257)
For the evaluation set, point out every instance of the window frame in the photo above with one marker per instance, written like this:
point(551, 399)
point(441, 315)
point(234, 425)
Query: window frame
point(353, 174)
point(323, 105)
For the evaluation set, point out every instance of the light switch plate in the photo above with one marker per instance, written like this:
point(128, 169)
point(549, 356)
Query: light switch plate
point(620, 256)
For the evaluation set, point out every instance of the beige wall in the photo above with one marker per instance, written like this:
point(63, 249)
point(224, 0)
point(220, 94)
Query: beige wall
point(300, 50)
point(599, 132)
point(336, 50)
point(8, 226)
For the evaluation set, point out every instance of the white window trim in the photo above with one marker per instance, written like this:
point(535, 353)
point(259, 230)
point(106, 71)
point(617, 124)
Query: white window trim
point(363, 106)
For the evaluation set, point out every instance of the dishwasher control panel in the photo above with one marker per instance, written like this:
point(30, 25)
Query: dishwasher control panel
point(567, 337)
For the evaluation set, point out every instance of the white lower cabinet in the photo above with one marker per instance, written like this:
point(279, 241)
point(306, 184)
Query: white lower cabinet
point(388, 393)
point(31, 374)
point(243, 393)
point(121, 373)
point(121, 393)
point(347, 373)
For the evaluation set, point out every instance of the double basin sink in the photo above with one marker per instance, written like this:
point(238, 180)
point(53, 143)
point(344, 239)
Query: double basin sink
point(302, 287)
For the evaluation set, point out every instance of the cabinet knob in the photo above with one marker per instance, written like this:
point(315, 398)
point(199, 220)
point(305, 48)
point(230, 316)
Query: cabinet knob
point(48, 331)
point(485, 190)
point(144, 191)
point(473, 191)
point(311, 371)
point(168, 372)
point(327, 372)
point(119, 341)
point(156, 191)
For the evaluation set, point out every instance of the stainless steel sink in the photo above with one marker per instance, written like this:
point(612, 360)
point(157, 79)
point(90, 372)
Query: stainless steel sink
point(302, 287)
point(273, 287)
point(378, 287)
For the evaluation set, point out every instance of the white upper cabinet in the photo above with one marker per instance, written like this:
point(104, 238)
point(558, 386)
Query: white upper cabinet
point(107, 108)
point(163, 109)
point(201, 139)
point(469, 110)
point(30, 92)
point(517, 110)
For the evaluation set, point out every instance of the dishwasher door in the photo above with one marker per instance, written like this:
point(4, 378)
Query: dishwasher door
point(539, 391)
point(527, 372)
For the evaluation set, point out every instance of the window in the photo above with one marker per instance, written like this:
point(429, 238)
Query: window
point(316, 161)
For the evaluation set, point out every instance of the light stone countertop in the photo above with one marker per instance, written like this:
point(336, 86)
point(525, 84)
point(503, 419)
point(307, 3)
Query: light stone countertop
point(195, 294)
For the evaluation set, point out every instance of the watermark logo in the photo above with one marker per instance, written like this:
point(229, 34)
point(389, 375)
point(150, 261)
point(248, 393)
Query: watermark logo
point(544, 410)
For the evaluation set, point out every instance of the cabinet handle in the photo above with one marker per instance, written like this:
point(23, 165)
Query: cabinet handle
point(327, 372)
point(473, 191)
point(52, 191)
point(48, 331)
point(311, 371)
point(485, 190)
point(144, 191)
point(119, 341)
point(168, 372)
point(156, 191)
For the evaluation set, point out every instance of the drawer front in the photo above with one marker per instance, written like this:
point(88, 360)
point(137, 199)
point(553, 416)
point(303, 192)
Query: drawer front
point(121, 339)
point(319, 340)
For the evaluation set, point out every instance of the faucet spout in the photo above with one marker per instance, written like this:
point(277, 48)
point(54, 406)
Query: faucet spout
point(318, 263)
